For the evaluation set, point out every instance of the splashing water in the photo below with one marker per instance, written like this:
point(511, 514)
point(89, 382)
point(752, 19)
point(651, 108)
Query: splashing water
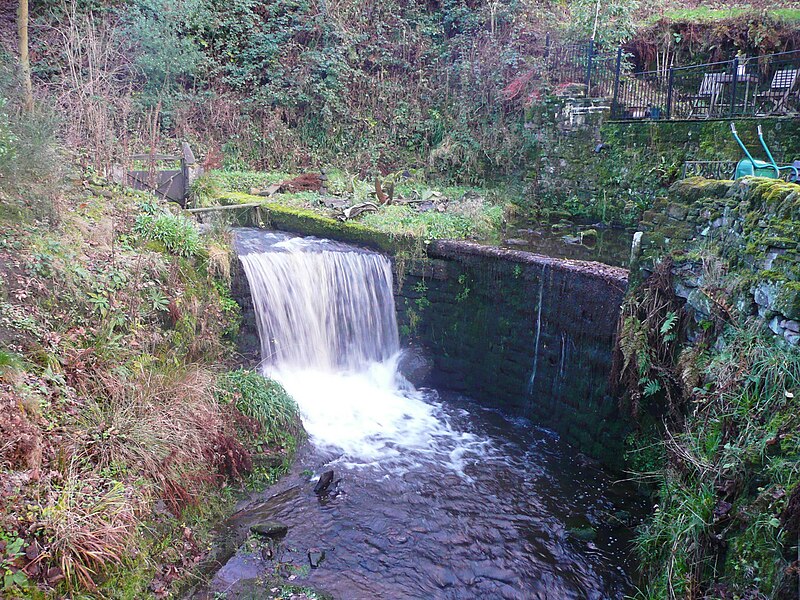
point(440, 499)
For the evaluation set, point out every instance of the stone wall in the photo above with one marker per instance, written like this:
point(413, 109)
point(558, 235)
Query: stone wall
point(752, 226)
point(247, 342)
point(521, 332)
point(583, 165)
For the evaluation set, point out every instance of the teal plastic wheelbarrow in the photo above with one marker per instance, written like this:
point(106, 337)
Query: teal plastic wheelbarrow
point(750, 166)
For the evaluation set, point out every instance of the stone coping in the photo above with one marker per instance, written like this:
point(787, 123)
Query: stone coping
point(452, 249)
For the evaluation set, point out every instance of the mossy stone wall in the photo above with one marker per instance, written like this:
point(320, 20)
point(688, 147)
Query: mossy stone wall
point(524, 333)
point(584, 165)
point(753, 224)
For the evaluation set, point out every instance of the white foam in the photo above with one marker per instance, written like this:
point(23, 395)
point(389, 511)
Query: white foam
point(371, 417)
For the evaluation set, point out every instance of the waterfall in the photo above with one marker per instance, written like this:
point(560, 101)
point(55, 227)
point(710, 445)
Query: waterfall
point(326, 320)
point(322, 305)
point(539, 307)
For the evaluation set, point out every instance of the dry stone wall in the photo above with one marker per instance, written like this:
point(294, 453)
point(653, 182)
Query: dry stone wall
point(753, 226)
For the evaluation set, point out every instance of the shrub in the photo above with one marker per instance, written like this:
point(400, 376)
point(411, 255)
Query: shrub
point(178, 234)
point(164, 55)
point(205, 190)
point(30, 164)
point(7, 137)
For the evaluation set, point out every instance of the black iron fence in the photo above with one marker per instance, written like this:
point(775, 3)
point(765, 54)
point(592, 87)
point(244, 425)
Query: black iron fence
point(743, 87)
point(582, 63)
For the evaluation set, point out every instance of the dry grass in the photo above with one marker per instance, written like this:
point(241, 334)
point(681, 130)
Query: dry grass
point(87, 523)
point(163, 426)
point(219, 260)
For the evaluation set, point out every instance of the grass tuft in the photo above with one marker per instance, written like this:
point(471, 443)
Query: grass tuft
point(264, 400)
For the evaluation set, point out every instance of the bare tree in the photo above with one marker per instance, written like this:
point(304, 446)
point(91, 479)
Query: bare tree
point(24, 57)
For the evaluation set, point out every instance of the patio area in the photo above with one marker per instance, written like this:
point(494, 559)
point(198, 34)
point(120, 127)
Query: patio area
point(762, 86)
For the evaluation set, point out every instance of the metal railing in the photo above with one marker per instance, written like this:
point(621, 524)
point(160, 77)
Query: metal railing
point(583, 63)
point(743, 87)
point(710, 169)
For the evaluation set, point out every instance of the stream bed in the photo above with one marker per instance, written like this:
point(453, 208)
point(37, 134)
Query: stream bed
point(503, 509)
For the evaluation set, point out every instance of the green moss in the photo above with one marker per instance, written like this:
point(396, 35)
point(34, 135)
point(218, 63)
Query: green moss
point(694, 189)
point(788, 300)
point(308, 222)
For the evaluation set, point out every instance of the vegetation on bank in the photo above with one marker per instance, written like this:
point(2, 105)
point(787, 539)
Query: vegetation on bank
point(123, 436)
point(715, 394)
point(411, 208)
point(726, 471)
point(701, 14)
point(370, 86)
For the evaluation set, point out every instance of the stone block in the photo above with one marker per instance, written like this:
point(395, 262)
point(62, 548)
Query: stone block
point(765, 294)
point(787, 301)
point(677, 212)
point(791, 325)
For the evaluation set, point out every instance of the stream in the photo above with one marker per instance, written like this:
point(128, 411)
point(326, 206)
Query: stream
point(433, 496)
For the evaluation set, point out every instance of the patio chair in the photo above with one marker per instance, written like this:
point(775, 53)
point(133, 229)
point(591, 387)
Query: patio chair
point(782, 88)
point(704, 103)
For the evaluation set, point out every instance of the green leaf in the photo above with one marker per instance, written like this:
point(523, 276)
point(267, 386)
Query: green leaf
point(651, 388)
point(669, 322)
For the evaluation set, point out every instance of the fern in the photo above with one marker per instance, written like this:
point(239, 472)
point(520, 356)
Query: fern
point(651, 386)
point(634, 346)
point(669, 324)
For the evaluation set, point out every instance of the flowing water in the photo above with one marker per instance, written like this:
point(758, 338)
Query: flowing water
point(434, 497)
point(609, 246)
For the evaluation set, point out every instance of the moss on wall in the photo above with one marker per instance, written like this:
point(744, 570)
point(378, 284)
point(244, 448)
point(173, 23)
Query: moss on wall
point(256, 211)
point(710, 336)
point(586, 167)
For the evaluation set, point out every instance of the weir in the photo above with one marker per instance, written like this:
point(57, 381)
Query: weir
point(327, 327)
point(318, 303)
point(526, 333)
point(434, 495)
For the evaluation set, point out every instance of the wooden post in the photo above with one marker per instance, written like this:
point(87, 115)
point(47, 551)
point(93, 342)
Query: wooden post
point(24, 56)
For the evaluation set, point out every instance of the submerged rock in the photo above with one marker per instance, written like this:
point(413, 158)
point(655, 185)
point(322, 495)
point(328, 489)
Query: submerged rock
point(586, 534)
point(270, 529)
point(324, 482)
point(315, 557)
point(415, 365)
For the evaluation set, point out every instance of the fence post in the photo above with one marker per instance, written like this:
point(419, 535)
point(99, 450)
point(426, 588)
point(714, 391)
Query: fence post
point(733, 85)
point(670, 88)
point(618, 71)
point(589, 67)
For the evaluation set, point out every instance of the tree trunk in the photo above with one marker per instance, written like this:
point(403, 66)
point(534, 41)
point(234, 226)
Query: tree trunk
point(24, 58)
